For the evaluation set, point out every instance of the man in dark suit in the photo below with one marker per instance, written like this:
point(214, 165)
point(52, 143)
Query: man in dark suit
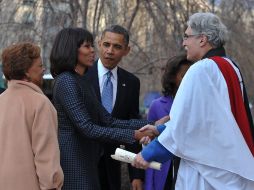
point(113, 46)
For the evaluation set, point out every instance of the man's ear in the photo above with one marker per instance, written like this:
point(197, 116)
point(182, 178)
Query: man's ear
point(203, 40)
point(99, 43)
point(128, 48)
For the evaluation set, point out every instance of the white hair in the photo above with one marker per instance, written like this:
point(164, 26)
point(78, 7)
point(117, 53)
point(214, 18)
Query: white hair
point(211, 26)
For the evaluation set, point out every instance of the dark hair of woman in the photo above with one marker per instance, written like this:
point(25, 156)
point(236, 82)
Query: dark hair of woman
point(64, 53)
point(18, 58)
point(173, 66)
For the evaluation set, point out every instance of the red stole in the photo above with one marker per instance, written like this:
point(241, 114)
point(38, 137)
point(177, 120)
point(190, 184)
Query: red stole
point(236, 99)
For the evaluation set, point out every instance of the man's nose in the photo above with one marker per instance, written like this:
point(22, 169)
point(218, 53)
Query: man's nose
point(110, 49)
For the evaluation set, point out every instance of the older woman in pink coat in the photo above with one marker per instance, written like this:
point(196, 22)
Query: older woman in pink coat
point(29, 152)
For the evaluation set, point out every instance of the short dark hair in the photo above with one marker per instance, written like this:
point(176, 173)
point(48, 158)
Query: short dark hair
point(64, 53)
point(118, 30)
point(18, 58)
point(173, 66)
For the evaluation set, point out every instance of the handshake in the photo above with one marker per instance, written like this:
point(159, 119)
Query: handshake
point(149, 132)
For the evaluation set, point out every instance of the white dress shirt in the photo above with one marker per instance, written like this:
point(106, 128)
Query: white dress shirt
point(102, 71)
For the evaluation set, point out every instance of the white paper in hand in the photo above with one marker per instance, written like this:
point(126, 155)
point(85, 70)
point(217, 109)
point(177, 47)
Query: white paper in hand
point(128, 157)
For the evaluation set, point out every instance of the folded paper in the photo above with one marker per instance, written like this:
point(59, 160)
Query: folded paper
point(128, 157)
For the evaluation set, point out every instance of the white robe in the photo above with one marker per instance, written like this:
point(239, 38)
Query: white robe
point(203, 132)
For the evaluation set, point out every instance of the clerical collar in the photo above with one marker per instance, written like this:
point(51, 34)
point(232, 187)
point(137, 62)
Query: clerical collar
point(215, 52)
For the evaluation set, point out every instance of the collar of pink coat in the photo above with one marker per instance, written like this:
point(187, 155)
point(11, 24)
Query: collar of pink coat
point(17, 83)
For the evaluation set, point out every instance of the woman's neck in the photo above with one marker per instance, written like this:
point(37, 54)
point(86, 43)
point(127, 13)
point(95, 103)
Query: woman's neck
point(80, 69)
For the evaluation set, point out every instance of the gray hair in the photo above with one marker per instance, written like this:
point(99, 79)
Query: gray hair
point(211, 26)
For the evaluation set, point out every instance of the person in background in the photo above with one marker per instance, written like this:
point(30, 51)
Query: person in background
point(30, 157)
point(113, 46)
point(210, 125)
point(175, 69)
point(84, 124)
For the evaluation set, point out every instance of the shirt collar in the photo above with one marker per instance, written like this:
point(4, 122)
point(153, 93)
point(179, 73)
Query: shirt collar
point(103, 70)
point(215, 52)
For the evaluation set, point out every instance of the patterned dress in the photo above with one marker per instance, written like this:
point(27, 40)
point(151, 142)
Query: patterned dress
point(83, 125)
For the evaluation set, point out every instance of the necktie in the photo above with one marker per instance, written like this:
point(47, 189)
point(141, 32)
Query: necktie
point(107, 93)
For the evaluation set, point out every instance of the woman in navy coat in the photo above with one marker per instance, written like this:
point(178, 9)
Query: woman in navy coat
point(83, 122)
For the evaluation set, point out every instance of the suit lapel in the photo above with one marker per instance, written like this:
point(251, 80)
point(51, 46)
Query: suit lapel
point(121, 90)
point(121, 85)
point(95, 80)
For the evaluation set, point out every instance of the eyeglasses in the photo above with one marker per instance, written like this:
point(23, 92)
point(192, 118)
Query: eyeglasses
point(186, 36)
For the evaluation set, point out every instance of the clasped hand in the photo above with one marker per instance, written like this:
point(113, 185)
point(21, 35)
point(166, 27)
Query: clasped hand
point(139, 161)
point(145, 134)
point(148, 131)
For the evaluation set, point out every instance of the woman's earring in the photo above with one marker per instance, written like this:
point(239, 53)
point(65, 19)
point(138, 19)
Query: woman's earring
point(28, 77)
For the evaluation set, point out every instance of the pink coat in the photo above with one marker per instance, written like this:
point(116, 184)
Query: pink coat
point(29, 151)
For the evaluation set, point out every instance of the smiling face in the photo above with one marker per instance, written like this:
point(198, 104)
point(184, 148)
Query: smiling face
point(192, 45)
point(196, 45)
point(112, 48)
point(35, 72)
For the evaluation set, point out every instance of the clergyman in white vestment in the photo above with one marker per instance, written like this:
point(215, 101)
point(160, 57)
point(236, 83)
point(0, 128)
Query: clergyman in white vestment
point(203, 131)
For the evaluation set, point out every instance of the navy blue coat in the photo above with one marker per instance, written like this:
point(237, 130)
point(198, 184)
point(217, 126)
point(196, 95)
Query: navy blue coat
point(83, 125)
